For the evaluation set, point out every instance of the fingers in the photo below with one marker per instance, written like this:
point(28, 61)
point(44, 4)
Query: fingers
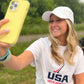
point(3, 21)
point(4, 32)
point(3, 48)
point(4, 45)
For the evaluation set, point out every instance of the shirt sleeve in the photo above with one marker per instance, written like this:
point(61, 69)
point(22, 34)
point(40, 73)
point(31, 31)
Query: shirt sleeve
point(35, 48)
point(80, 63)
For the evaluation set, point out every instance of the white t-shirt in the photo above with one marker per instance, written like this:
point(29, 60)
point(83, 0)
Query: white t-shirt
point(47, 70)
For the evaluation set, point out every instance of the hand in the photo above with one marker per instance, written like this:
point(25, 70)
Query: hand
point(3, 46)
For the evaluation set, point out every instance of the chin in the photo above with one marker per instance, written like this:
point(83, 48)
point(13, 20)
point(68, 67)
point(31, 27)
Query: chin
point(56, 36)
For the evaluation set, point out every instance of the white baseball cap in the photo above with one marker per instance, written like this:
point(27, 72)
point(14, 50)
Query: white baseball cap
point(61, 12)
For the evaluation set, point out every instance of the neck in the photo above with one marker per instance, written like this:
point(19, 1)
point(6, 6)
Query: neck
point(62, 43)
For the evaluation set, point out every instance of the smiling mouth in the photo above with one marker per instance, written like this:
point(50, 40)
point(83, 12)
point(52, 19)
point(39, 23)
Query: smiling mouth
point(54, 30)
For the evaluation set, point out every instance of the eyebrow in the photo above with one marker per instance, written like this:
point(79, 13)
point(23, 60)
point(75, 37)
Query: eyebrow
point(56, 16)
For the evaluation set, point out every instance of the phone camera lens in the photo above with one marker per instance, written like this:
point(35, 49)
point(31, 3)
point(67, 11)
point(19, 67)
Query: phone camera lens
point(15, 5)
point(13, 2)
point(11, 7)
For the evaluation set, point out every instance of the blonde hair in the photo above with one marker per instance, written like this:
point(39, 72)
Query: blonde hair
point(70, 51)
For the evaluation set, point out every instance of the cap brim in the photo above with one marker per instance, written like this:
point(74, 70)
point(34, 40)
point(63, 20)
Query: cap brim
point(46, 15)
point(58, 13)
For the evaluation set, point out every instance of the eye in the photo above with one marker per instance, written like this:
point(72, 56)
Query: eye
point(59, 20)
point(51, 21)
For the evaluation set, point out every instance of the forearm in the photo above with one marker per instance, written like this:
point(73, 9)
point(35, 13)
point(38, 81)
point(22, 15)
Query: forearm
point(14, 63)
point(19, 62)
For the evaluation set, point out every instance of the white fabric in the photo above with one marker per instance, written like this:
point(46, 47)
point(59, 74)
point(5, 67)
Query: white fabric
point(61, 12)
point(46, 67)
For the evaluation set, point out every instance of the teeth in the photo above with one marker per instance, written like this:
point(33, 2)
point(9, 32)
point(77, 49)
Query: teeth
point(55, 29)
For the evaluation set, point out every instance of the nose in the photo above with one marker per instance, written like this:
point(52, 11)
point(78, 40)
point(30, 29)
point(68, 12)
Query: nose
point(54, 23)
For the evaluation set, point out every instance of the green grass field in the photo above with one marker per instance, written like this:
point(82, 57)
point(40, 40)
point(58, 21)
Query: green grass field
point(79, 27)
point(25, 76)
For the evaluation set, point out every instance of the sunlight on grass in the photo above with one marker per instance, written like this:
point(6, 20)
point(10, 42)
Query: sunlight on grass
point(25, 76)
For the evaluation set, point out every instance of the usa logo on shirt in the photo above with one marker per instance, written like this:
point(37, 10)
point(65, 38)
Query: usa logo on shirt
point(56, 78)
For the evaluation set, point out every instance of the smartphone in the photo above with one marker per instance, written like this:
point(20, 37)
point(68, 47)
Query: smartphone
point(16, 13)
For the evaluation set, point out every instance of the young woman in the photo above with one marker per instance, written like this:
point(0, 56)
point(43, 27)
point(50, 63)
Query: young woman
point(58, 58)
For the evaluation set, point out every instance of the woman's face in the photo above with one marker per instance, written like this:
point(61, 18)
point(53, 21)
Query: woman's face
point(58, 27)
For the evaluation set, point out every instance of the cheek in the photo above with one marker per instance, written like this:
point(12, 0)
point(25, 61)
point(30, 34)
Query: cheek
point(64, 28)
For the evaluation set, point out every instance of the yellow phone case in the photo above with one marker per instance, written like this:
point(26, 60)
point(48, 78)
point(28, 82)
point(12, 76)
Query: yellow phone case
point(16, 14)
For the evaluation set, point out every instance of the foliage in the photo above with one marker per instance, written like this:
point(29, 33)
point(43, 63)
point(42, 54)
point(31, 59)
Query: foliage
point(79, 27)
point(39, 6)
point(34, 26)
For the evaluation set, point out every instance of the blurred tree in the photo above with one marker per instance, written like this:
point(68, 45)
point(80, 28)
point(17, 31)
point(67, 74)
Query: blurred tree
point(37, 7)
point(50, 4)
point(82, 12)
point(41, 7)
point(2, 6)
point(1, 15)
point(33, 8)
point(76, 7)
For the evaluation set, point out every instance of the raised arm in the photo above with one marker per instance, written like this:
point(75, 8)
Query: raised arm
point(19, 62)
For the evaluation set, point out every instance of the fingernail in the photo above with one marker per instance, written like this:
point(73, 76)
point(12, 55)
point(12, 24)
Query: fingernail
point(7, 30)
point(11, 45)
point(6, 19)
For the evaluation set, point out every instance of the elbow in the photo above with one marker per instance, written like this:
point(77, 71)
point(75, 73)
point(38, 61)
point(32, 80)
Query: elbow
point(18, 69)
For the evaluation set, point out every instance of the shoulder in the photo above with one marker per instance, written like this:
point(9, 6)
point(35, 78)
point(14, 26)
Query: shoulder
point(79, 50)
point(44, 41)
point(79, 53)
point(79, 61)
